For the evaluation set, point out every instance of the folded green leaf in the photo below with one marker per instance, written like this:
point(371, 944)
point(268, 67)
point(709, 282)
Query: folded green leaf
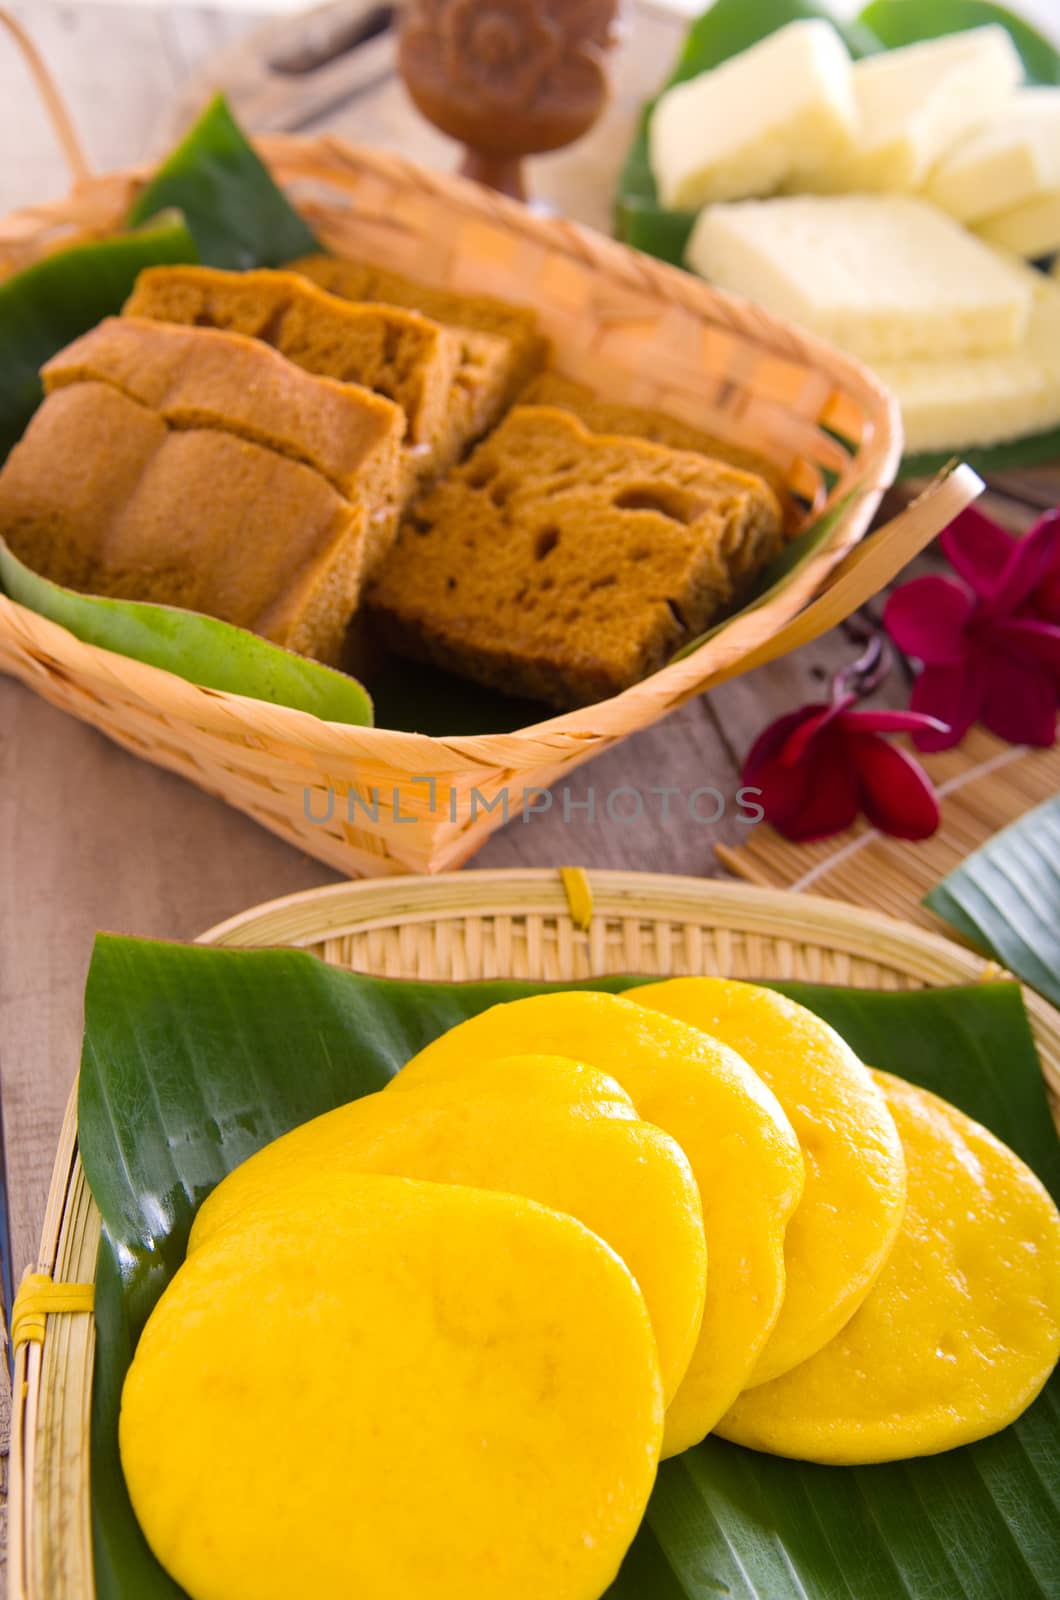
point(60, 297)
point(899, 22)
point(195, 1057)
point(238, 215)
point(201, 649)
point(1033, 450)
point(1006, 898)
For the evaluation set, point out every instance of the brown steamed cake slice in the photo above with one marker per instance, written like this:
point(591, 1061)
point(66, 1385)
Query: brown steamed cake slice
point(607, 416)
point(101, 495)
point(566, 566)
point(404, 357)
point(524, 347)
point(202, 378)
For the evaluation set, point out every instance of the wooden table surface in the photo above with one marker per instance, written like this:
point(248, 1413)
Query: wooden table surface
point(91, 838)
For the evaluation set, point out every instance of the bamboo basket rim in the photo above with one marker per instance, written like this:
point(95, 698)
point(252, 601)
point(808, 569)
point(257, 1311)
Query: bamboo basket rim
point(870, 470)
point(50, 1430)
point(720, 360)
point(877, 461)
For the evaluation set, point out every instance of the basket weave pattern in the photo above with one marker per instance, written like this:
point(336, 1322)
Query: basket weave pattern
point(621, 323)
point(463, 927)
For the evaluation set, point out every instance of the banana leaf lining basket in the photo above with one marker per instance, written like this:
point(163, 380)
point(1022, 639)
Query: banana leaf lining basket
point(458, 927)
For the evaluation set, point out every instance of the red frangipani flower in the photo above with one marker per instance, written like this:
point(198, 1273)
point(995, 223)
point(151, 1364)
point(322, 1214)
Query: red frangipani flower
point(818, 767)
point(990, 644)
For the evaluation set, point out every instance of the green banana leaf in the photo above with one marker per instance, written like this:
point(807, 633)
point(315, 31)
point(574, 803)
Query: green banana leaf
point(198, 648)
point(730, 26)
point(898, 22)
point(59, 298)
point(1006, 898)
point(238, 215)
point(195, 1057)
point(1033, 450)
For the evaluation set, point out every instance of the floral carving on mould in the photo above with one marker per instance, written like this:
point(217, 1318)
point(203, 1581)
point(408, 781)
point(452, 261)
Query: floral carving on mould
point(500, 51)
point(511, 53)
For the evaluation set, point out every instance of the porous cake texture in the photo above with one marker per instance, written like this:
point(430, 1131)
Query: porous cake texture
point(503, 368)
point(400, 355)
point(886, 277)
point(641, 422)
point(565, 565)
point(102, 495)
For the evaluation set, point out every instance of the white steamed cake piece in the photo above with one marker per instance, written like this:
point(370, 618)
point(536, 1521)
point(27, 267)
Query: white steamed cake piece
point(916, 103)
point(757, 121)
point(1011, 161)
point(886, 277)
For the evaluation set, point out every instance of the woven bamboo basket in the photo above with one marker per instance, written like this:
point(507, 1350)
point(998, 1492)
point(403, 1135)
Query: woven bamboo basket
point(452, 928)
point(620, 323)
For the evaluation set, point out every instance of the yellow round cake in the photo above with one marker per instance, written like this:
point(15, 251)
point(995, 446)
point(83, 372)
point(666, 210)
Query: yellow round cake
point(961, 1328)
point(852, 1204)
point(740, 1145)
point(551, 1130)
point(399, 1389)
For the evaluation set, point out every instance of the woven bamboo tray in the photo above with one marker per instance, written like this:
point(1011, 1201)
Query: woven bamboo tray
point(621, 323)
point(453, 928)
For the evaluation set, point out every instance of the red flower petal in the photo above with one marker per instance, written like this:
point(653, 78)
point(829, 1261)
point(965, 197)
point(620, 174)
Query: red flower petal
point(1020, 701)
point(892, 722)
point(977, 549)
point(897, 795)
point(783, 792)
point(828, 794)
point(1031, 562)
point(927, 618)
point(771, 741)
point(799, 741)
point(1025, 636)
point(954, 696)
point(1045, 601)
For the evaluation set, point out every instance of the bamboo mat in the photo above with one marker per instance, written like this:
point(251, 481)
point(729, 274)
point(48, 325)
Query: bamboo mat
point(983, 786)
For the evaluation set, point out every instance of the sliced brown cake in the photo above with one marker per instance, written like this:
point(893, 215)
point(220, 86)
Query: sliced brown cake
point(101, 495)
point(608, 416)
point(402, 356)
point(565, 565)
point(202, 378)
point(483, 320)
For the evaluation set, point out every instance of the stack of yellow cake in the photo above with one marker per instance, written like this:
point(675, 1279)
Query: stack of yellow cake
point(886, 204)
point(575, 1234)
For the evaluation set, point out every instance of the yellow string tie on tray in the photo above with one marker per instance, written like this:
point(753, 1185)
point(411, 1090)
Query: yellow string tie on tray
point(579, 896)
point(38, 1298)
